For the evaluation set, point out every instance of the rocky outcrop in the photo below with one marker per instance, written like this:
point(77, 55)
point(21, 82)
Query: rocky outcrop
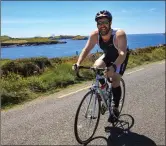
point(80, 38)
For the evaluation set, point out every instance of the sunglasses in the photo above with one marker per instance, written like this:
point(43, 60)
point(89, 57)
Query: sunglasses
point(103, 22)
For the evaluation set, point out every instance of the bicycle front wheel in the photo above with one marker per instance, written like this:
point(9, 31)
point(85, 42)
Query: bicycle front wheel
point(87, 117)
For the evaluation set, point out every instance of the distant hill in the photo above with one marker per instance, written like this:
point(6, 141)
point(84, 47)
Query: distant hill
point(78, 37)
point(8, 41)
point(64, 37)
point(5, 38)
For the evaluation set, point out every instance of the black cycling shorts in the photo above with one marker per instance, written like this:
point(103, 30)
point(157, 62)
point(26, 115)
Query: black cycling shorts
point(121, 68)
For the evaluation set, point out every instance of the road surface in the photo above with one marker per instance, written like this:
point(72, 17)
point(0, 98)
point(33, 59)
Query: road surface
point(50, 120)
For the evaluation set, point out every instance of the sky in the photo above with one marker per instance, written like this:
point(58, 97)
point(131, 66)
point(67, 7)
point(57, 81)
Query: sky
point(46, 18)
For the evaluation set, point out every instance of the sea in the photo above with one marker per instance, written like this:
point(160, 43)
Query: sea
point(74, 47)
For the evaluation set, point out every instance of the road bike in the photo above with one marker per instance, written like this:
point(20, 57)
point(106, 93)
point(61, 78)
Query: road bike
point(94, 103)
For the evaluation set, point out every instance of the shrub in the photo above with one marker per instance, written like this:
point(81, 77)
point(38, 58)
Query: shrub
point(61, 76)
point(26, 67)
point(158, 54)
point(35, 84)
point(13, 82)
point(12, 66)
point(13, 97)
point(14, 89)
point(56, 60)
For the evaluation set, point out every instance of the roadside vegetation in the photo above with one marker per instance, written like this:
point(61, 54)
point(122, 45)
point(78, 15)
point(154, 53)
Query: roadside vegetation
point(25, 79)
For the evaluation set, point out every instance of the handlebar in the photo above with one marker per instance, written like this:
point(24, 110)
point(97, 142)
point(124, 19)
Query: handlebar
point(95, 69)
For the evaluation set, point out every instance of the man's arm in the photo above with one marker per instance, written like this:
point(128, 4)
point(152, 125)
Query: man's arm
point(88, 47)
point(122, 47)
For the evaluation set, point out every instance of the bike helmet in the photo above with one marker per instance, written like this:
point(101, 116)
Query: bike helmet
point(103, 13)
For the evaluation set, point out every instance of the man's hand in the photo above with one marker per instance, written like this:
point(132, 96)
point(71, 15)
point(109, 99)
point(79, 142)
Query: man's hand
point(75, 67)
point(109, 72)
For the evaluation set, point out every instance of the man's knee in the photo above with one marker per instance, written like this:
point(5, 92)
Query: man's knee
point(116, 80)
point(99, 63)
point(95, 64)
point(115, 84)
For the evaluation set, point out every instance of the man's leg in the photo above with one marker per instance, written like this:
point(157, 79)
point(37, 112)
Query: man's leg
point(100, 63)
point(116, 89)
point(115, 81)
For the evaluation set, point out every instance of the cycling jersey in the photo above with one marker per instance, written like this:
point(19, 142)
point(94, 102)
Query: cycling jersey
point(111, 52)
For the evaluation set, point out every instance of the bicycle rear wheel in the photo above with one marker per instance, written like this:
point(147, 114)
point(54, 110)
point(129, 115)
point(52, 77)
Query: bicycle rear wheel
point(89, 111)
point(121, 103)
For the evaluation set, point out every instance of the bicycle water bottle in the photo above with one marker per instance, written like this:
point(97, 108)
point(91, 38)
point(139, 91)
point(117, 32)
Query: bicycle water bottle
point(104, 91)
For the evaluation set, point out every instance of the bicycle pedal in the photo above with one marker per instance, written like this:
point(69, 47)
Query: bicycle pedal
point(103, 109)
point(102, 112)
point(94, 117)
point(107, 129)
point(112, 119)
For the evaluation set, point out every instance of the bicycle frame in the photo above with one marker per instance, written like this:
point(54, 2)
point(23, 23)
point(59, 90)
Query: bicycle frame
point(95, 87)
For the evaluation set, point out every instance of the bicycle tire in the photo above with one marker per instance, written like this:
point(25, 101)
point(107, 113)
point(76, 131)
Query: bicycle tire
point(79, 140)
point(123, 96)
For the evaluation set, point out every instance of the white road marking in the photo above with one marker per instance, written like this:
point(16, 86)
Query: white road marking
point(74, 92)
point(161, 62)
point(135, 71)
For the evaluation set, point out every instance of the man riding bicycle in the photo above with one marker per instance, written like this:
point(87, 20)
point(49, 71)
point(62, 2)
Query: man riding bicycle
point(114, 45)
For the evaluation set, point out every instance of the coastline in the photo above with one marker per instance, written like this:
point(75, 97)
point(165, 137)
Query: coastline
point(5, 45)
point(7, 41)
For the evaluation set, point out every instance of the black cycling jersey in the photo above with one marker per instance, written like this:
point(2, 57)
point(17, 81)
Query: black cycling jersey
point(111, 52)
point(108, 47)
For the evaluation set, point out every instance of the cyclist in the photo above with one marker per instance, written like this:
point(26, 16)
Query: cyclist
point(114, 45)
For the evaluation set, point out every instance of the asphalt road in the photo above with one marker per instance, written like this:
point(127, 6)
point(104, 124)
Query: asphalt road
point(50, 121)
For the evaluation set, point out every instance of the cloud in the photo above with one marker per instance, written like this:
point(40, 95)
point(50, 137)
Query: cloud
point(152, 9)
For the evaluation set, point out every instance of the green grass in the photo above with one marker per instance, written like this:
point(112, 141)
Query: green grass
point(57, 73)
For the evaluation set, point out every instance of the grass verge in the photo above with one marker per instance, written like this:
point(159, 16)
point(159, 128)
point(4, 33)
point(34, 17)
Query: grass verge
point(17, 88)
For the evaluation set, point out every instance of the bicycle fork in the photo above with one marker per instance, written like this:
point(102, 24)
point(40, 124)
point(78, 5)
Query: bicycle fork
point(91, 111)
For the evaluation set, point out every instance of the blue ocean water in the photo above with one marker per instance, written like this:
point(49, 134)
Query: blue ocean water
point(70, 48)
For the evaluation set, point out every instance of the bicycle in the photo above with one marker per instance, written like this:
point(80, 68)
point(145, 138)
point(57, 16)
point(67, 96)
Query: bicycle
point(98, 103)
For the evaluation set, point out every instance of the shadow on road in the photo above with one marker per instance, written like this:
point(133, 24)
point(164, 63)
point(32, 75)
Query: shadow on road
point(120, 135)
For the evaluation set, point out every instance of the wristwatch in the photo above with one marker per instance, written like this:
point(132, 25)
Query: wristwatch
point(114, 66)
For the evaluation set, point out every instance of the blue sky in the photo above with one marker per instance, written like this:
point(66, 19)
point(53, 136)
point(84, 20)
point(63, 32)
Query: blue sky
point(45, 18)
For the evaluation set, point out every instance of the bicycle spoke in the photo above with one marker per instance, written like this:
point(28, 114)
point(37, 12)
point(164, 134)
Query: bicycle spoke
point(89, 126)
point(84, 111)
point(84, 131)
point(89, 121)
point(87, 117)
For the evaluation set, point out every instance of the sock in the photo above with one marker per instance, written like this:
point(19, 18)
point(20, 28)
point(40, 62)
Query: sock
point(116, 95)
